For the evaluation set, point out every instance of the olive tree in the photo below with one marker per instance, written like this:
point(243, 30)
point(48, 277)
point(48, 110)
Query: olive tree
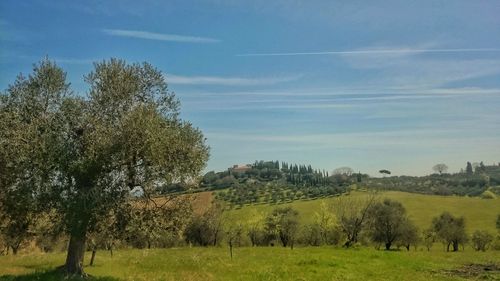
point(82, 155)
point(389, 223)
point(481, 240)
point(255, 228)
point(352, 216)
point(283, 224)
point(450, 230)
point(207, 228)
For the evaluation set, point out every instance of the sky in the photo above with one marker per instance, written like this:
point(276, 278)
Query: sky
point(397, 85)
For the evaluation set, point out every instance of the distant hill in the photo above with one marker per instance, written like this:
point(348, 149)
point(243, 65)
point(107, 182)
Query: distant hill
point(471, 183)
point(272, 182)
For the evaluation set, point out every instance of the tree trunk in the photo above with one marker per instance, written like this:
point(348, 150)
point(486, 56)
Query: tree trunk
point(76, 252)
point(455, 246)
point(408, 247)
point(14, 250)
point(94, 250)
point(388, 245)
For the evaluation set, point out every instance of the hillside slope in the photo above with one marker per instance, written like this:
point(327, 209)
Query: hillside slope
point(479, 213)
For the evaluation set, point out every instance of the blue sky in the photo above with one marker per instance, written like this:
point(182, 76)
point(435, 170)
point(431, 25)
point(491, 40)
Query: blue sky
point(398, 85)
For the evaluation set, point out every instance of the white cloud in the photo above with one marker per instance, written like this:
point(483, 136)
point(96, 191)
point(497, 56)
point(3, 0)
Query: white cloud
point(375, 51)
point(141, 34)
point(226, 81)
point(435, 138)
point(74, 61)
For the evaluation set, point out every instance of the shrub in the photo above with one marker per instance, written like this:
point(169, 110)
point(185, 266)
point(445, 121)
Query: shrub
point(488, 195)
point(481, 240)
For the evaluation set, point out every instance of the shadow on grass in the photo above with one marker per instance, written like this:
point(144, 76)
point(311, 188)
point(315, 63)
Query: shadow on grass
point(51, 275)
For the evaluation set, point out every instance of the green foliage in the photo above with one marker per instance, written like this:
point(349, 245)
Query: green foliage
point(450, 229)
point(206, 229)
point(82, 156)
point(268, 182)
point(283, 224)
point(389, 223)
point(429, 238)
point(488, 195)
point(29, 114)
point(481, 240)
point(353, 216)
point(385, 172)
point(468, 168)
point(409, 235)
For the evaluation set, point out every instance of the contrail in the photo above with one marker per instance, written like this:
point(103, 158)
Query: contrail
point(381, 51)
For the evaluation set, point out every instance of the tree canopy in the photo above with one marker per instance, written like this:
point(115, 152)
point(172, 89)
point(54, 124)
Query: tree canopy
point(82, 155)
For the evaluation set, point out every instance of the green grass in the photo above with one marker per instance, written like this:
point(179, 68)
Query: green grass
point(276, 263)
point(311, 263)
point(479, 213)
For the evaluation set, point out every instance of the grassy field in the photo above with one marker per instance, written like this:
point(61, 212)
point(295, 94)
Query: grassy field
point(479, 213)
point(311, 263)
point(303, 263)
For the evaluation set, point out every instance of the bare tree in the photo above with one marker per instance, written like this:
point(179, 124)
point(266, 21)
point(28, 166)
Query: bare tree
point(352, 215)
point(440, 168)
point(234, 234)
point(345, 171)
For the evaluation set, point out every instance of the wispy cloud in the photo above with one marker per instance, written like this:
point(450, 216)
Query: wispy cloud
point(373, 51)
point(369, 103)
point(74, 60)
point(227, 81)
point(403, 138)
point(141, 34)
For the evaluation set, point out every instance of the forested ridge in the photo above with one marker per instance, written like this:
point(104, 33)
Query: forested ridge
point(275, 181)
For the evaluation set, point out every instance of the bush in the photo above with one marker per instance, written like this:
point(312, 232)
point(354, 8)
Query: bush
point(496, 244)
point(311, 235)
point(488, 195)
point(481, 240)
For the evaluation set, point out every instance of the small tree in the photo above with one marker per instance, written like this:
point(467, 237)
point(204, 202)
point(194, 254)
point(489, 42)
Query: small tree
point(450, 230)
point(206, 229)
point(234, 235)
point(388, 223)
point(409, 235)
point(440, 168)
point(283, 223)
point(346, 171)
point(385, 172)
point(255, 227)
point(429, 238)
point(468, 169)
point(325, 220)
point(352, 216)
point(481, 240)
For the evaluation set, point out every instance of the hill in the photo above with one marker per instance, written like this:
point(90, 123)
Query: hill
point(479, 213)
point(274, 182)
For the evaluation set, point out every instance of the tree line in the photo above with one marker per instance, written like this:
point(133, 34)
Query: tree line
point(347, 222)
